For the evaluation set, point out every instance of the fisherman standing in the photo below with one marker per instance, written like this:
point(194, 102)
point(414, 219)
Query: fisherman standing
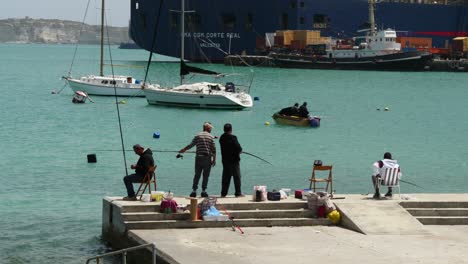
point(230, 152)
point(205, 158)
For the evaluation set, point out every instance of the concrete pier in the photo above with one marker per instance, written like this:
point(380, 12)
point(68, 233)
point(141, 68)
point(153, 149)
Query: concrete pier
point(420, 228)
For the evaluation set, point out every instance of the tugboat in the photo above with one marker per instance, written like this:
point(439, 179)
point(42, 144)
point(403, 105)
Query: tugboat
point(375, 51)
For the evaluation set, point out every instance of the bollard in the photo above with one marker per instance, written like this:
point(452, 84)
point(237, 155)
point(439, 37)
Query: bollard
point(193, 209)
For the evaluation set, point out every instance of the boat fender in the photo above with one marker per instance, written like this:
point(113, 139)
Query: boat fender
point(256, 98)
point(92, 158)
point(314, 122)
point(267, 123)
point(156, 134)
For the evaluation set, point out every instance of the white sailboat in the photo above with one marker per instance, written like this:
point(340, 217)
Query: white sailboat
point(106, 84)
point(200, 94)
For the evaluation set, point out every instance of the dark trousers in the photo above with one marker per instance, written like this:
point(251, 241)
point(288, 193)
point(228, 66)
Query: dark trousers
point(231, 169)
point(202, 164)
point(129, 180)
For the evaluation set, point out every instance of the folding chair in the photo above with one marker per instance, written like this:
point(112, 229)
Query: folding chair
point(390, 177)
point(150, 177)
point(328, 180)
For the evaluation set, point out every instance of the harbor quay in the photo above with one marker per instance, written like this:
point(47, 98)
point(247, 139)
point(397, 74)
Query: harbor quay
point(413, 228)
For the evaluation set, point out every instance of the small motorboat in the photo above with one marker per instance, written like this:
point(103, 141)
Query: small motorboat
point(297, 120)
point(79, 97)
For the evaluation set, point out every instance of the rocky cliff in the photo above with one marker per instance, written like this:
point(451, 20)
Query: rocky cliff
point(27, 30)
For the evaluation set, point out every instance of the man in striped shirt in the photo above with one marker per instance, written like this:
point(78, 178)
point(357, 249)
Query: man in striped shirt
point(205, 158)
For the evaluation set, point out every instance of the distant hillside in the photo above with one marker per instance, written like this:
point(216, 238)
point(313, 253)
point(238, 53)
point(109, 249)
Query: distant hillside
point(27, 30)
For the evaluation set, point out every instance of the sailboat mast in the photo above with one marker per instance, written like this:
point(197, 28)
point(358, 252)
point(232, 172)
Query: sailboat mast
point(101, 65)
point(371, 18)
point(182, 36)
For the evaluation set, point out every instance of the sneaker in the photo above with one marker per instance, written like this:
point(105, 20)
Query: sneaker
point(389, 194)
point(130, 198)
point(376, 195)
point(204, 194)
point(193, 194)
point(240, 195)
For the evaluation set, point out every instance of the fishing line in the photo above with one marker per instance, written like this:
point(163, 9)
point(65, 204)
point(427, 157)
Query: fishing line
point(155, 33)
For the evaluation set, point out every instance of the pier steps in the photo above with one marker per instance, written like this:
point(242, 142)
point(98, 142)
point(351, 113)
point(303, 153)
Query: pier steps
point(438, 213)
point(139, 215)
point(237, 214)
point(246, 222)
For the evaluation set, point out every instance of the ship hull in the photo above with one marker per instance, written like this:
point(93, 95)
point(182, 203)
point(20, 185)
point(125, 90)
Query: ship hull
point(234, 27)
point(404, 61)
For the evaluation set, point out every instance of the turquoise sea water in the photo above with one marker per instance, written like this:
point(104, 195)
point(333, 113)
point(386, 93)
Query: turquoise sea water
point(51, 197)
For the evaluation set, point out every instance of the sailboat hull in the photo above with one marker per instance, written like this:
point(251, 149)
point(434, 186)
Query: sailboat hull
point(97, 85)
point(193, 99)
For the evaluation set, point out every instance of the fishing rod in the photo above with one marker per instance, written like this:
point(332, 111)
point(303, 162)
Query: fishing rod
point(250, 154)
point(171, 151)
point(180, 155)
point(410, 183)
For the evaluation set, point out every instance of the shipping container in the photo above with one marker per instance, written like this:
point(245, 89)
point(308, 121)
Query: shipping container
point(287, 35)
point(297, 44)
point(460, 44)
point(259, 43)
point(414, 42)
point(279, 40)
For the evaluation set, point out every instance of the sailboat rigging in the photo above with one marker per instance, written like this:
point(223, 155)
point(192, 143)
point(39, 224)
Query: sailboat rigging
point(106, 84)
point(199, 94)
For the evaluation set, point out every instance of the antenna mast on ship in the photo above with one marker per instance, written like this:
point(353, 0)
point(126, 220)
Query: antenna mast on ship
point(371, 18)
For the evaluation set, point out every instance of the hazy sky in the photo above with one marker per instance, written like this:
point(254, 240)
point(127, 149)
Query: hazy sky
point(118, 11)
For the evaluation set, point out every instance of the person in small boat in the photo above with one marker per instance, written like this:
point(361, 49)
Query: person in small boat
point(303, 112)
point(290, 111)
point(379, 166)
point(141, 168)
point(205, 158)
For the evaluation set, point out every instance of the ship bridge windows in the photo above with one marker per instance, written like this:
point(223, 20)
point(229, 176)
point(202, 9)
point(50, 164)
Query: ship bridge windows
point(249, 22)
point(320, 21)
point(302, 4)
point(229, 21)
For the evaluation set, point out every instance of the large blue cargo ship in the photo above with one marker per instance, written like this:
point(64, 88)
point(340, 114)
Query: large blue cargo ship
point(216, 28)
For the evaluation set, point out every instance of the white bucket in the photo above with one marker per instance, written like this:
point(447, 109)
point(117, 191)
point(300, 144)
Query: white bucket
point(146, 198)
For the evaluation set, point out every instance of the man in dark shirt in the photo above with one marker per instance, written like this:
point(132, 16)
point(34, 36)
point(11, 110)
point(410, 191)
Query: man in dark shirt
point(290, 111)
point(303, 112)
point(205, 158)
point(230, 152)
point(141, 168)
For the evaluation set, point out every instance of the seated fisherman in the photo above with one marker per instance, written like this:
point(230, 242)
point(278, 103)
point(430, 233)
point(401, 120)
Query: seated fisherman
point(378, 166)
